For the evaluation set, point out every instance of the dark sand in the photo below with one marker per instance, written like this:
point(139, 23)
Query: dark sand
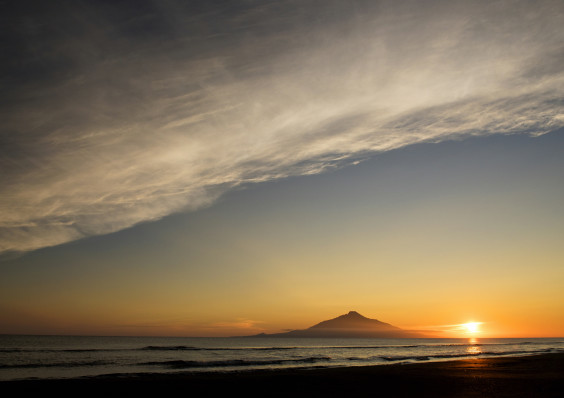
point(531, 376)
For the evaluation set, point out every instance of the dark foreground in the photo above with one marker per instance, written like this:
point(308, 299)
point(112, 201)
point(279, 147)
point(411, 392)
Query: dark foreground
point(532, 376)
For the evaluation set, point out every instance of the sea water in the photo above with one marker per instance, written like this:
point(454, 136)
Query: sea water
point(25, 357)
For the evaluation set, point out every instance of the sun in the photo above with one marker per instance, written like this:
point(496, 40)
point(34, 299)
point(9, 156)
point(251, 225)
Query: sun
point(472, 327)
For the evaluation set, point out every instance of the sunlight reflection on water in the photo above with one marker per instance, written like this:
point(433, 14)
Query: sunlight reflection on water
point(474, 347)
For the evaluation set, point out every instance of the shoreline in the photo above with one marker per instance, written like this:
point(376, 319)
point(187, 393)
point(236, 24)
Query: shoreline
point(539, 375)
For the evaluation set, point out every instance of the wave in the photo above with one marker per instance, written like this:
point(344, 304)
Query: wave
point(189, 348)
point(233, 362)
point(79, 350)
point(188, 364)
point(464, 355)
point(71, 364)
point(274, 349)
point(420, 350)
point(172, 348)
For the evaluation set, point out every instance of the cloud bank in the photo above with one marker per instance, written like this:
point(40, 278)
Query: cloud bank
point(115, 114)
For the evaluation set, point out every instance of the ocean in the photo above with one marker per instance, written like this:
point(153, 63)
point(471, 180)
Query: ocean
point(32, 357)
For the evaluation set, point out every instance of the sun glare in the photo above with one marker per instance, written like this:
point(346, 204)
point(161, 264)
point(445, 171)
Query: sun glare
point(472, 327)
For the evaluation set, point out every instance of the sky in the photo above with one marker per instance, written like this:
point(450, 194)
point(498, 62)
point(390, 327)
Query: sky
point(213, 168)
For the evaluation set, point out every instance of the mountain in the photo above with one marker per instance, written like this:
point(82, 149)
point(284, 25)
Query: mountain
point(353, 320)
point(350, 325)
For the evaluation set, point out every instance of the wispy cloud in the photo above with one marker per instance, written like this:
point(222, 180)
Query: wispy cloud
point(115, 116)
point(468, 328)
point(240, 324)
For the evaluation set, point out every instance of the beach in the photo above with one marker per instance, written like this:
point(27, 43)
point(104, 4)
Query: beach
point(526, 376)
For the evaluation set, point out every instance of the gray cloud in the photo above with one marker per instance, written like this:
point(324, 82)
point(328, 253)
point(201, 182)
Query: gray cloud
point(115, 115)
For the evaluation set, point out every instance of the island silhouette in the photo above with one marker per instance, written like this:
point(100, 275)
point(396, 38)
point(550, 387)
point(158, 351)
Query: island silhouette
point(352, 325)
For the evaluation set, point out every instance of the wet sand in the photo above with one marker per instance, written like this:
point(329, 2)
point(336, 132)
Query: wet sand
point(530, 376)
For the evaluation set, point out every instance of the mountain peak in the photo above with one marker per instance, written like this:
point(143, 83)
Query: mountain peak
point(354, 313)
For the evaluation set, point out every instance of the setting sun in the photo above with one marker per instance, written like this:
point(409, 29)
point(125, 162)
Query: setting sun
point(472, 327)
